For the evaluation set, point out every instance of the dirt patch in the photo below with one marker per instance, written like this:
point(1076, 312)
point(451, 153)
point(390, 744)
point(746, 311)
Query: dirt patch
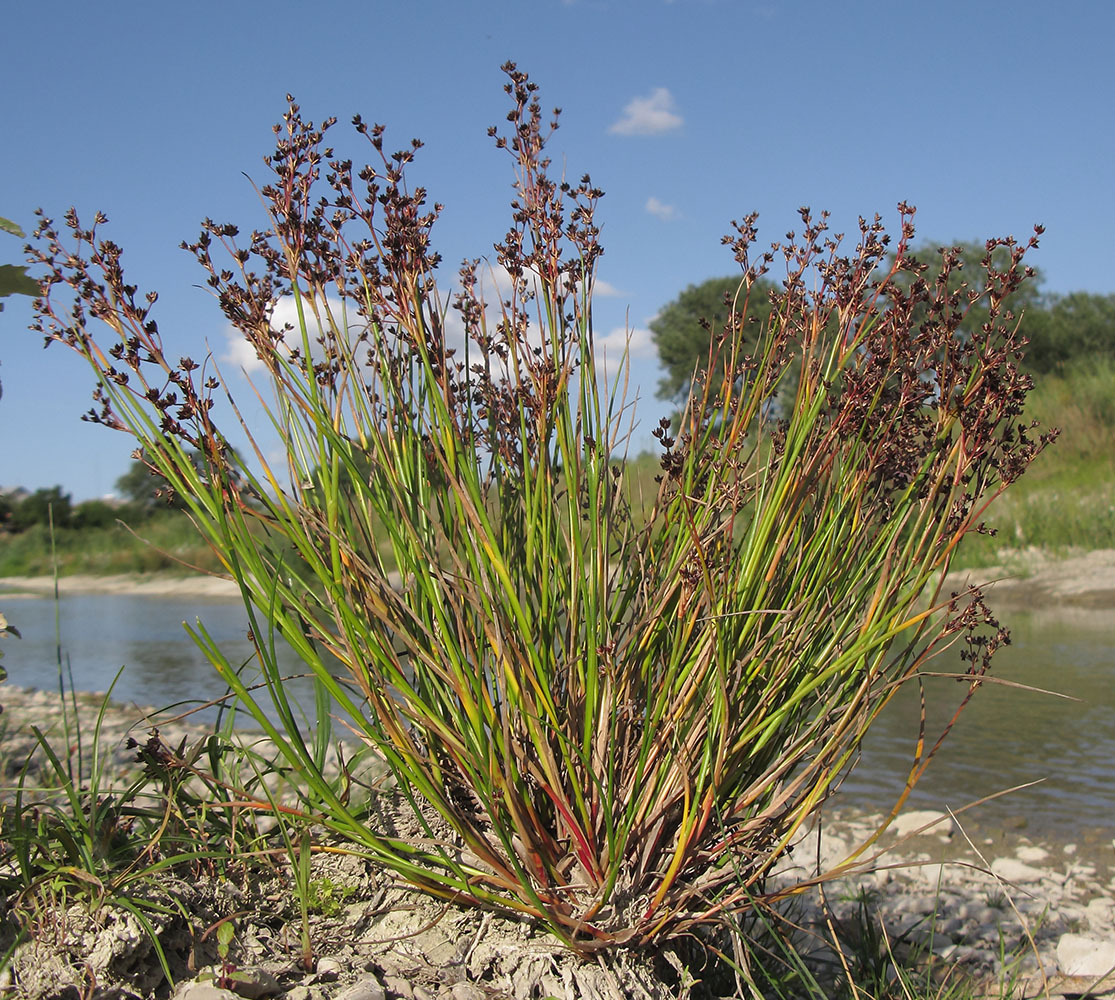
point(1034, 580)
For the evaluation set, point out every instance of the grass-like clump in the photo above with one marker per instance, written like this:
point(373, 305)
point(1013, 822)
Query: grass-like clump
point(608, 723)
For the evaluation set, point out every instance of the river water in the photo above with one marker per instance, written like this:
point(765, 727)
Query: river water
point(1005, 737)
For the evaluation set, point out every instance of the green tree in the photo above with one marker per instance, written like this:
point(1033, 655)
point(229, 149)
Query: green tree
point(684, 329)
point(138, 486)
point(1061, 329)
point(1080, 325)
point(93, 514)
point(970, 271)
point(14, 279)
point(42, 507)
point(146, 491)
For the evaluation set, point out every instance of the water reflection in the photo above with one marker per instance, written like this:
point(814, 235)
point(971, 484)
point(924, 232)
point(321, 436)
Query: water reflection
point(1007, 736)
point(102, 632)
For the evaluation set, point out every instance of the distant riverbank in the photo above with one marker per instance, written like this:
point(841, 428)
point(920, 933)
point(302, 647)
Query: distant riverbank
point(1029, 579)
point(138, 584)
point(1034, 579)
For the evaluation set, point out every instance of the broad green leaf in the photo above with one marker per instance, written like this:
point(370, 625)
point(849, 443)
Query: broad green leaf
point(14, 281)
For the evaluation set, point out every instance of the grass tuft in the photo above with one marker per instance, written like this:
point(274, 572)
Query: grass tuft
point(611, 724)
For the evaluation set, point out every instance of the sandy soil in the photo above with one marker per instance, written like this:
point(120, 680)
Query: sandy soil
point(1035, 580)
point(150, 585)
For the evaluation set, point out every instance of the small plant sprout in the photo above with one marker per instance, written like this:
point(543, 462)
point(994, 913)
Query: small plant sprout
point(612, 727)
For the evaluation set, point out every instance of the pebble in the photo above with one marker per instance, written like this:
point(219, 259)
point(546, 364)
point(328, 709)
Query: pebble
point(466, 991)
point(203, 991)
point(365, 989)
point(907, 822)
point(254, 983)
point(1079, 955)
point(1013, 870)
point(400, 987)
point(328, 970)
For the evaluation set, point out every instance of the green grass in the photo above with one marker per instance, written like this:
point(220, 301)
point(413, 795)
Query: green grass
point(167, 543)
point(1066, 500)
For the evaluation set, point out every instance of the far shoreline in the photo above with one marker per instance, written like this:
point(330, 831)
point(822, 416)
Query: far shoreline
point(1028, 579)
point(131, 584)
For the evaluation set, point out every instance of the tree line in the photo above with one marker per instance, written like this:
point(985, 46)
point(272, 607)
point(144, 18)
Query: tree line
point(141, 499)
point(1061, 329)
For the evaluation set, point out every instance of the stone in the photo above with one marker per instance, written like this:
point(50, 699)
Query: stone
point(1081, 955)
point(1031, 854)
point(1100, 913)
point(399, 986)
point(328, 970)
point(466, 991)
point(365, 989)
point(203, 991)
point(253, 983)
point(1013, 870)
point(907, 822)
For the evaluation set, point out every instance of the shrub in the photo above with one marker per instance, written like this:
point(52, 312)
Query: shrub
point(614, 730)
point(43, 507)
point(93, 514)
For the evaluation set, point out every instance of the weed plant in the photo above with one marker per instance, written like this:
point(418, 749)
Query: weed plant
point(612, 727)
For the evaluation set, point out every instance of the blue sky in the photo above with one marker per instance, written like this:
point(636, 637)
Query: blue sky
point(987, 116)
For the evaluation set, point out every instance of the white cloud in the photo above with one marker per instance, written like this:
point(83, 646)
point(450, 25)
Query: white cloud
point(638, 343)
point(241, 353)
point(651, 115)
point(605, 289)
point(660, 209)
point(494, 285)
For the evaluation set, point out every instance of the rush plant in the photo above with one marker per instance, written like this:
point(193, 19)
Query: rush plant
point(613, 727)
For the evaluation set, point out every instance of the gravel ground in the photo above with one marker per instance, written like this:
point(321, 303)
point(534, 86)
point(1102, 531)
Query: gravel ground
point(975, 899)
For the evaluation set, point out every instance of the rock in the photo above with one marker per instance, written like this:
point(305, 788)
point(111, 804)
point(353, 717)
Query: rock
point(1100, 913)
point(400, 987)
point(1080, 955)
point(328, 970)
point(932, 876)
point(366, 989)
point(1031, 854)
point(1013, 870)
point(202, 991)
point(466, 991)
point(254, 983)
point(915, 819)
